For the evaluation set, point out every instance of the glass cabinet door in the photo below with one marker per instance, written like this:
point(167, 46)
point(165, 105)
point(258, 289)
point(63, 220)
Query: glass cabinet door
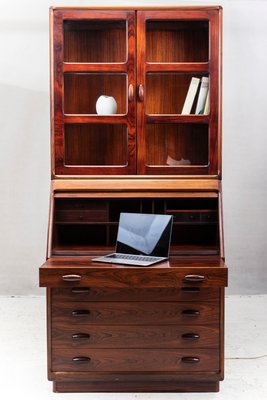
point(93, 79)
point(178, 92)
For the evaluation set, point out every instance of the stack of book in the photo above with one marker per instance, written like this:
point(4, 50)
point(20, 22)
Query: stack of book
point(197, 99)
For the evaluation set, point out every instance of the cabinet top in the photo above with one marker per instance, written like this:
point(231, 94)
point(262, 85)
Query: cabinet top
point(138, 8)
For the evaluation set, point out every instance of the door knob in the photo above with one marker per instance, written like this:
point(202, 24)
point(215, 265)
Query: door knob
point(141, 92)
point(130, 92)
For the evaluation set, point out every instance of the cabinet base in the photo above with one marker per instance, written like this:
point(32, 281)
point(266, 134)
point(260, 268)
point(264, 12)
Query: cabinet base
point(93, 386)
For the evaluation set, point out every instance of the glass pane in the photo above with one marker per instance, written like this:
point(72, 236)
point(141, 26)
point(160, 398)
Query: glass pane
point(96, 144)
point(166, 92)
point(177, 41)
point(177, 145)
point(82, 90)
point(95, 41)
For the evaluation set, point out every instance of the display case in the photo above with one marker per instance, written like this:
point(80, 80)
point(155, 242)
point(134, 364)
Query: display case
point(145, 60)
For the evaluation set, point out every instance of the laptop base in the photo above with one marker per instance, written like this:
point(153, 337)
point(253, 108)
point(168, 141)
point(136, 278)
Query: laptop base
point(129, 259)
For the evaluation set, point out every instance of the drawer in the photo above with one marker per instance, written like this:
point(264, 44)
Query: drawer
point(81, 271)
point(80, 216)
point(205, 216)
point(135, 294)
point(121, 336)
point(69, 204)
point(132, 313)
point(123, 360)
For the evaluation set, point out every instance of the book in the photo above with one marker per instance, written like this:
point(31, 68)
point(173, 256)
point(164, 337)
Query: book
point(207, 104)
point(191, 94)
point(202, 96)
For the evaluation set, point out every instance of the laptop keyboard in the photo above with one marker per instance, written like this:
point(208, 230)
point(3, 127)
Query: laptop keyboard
point(133, 257)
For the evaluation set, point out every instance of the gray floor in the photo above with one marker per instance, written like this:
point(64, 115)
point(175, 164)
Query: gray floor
point(23, 353)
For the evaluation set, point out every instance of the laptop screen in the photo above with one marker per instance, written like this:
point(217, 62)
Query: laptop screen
point(147, 234)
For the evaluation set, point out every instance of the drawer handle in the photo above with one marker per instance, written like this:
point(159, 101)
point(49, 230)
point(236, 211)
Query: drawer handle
point(71, 278)
point(80, 290)
point(141, 93)
point(190, 360)
point(81, 359)
point(191, 289)
point(80, 336)
point(80, 313)
point(194, 278)
point(131, 92)
point(190, 336)
point(191, 313)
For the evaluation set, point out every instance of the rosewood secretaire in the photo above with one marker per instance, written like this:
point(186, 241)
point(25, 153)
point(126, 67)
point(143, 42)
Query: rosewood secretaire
point(121, 328)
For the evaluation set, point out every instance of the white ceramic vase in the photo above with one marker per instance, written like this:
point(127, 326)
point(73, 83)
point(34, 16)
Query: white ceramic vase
point(106, 105)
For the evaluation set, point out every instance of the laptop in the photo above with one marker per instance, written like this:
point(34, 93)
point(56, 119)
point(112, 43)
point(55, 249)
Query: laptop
point(142, 240)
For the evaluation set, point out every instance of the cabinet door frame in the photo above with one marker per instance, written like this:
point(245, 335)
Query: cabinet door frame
point(59, 67)
point(211, 67)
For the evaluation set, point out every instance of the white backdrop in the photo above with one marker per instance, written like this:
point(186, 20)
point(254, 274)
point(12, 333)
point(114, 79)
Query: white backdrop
point(25, 148)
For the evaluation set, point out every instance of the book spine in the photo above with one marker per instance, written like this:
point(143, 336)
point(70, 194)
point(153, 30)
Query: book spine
point(190, 96)
point(207, 104)
point(204, 87)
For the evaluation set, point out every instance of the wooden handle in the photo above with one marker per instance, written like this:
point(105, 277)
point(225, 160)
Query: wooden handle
point(190, 360)
point(191, 313)
point(190, 336)
point(80, 290)
point(191, 289)
point(141, 92)
point(80, 313)
point(130, 92)
point(78, 336)
point(194, 278)
point(71, 278)
point(81, 359)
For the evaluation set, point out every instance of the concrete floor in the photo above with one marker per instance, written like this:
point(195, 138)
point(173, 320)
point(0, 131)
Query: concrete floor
point(23, 354)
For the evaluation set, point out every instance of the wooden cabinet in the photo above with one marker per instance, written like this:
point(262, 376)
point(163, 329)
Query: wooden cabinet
point(113, 327)
point(145, 60)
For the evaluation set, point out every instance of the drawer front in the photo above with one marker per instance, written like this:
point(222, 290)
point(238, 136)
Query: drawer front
point(122, 360)
point(193, 294)
point(80, 216)
point(125, 277)
point(120, 336)
point(127, 313)
point(194, 216)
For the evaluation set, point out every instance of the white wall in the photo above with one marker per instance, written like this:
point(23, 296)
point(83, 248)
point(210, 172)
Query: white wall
point(24, 140)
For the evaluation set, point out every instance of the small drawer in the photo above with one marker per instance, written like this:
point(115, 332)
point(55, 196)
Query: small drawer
point(185, 216)
point(121, 336)
point(135, 294)
point(203, 216)
point(80, 204)
point(123, 360)
point(81, 216)
point(209, 216)
point(134, 313)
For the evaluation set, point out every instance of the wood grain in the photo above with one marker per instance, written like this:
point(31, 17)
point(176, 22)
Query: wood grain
point(122, 384)
point(188, 294)
point(135, 360)
point(154, 336)
point(166, 274)
point(133, 313)
point(165, 183)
